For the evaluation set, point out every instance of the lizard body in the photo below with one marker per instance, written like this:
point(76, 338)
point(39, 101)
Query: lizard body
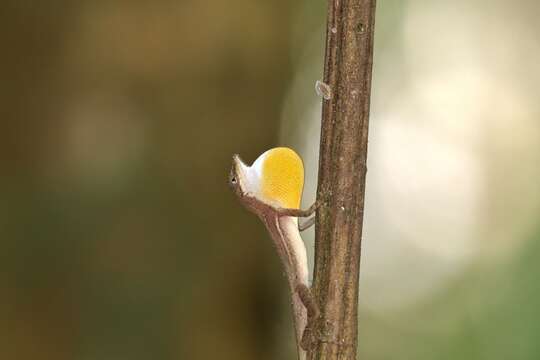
point(272, 188)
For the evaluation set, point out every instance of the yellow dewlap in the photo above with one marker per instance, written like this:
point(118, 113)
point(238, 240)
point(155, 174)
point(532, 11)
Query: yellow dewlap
point(283, 177)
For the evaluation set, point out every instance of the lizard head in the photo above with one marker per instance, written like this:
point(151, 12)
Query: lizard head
point(239, 177)
point(275, 178)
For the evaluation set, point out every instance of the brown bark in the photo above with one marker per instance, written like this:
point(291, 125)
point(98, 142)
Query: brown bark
point(342, 173)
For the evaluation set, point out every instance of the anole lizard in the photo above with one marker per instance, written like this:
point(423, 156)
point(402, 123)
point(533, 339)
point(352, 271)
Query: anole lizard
point(272, 189)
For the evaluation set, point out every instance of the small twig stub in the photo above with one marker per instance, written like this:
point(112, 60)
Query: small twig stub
point(323, 90)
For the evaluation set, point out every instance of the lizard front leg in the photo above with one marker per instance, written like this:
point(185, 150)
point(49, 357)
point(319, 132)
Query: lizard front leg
point(306, 224)
point(298, 212)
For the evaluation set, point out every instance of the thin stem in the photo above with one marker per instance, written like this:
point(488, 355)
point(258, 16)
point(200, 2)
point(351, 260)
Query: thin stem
point(342, 173)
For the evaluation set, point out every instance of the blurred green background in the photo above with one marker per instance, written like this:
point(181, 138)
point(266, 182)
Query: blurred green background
point(119, 238)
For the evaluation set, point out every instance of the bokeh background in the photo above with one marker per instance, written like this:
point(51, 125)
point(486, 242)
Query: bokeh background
point(119, 238)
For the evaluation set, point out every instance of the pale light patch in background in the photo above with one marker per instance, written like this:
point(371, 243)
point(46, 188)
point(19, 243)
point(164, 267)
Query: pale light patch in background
point(454, 148)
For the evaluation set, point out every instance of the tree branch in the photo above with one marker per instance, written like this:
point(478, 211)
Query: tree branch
point(342, 173)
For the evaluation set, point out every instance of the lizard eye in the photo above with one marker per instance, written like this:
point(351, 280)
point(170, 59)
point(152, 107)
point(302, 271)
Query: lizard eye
point(233, 180)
